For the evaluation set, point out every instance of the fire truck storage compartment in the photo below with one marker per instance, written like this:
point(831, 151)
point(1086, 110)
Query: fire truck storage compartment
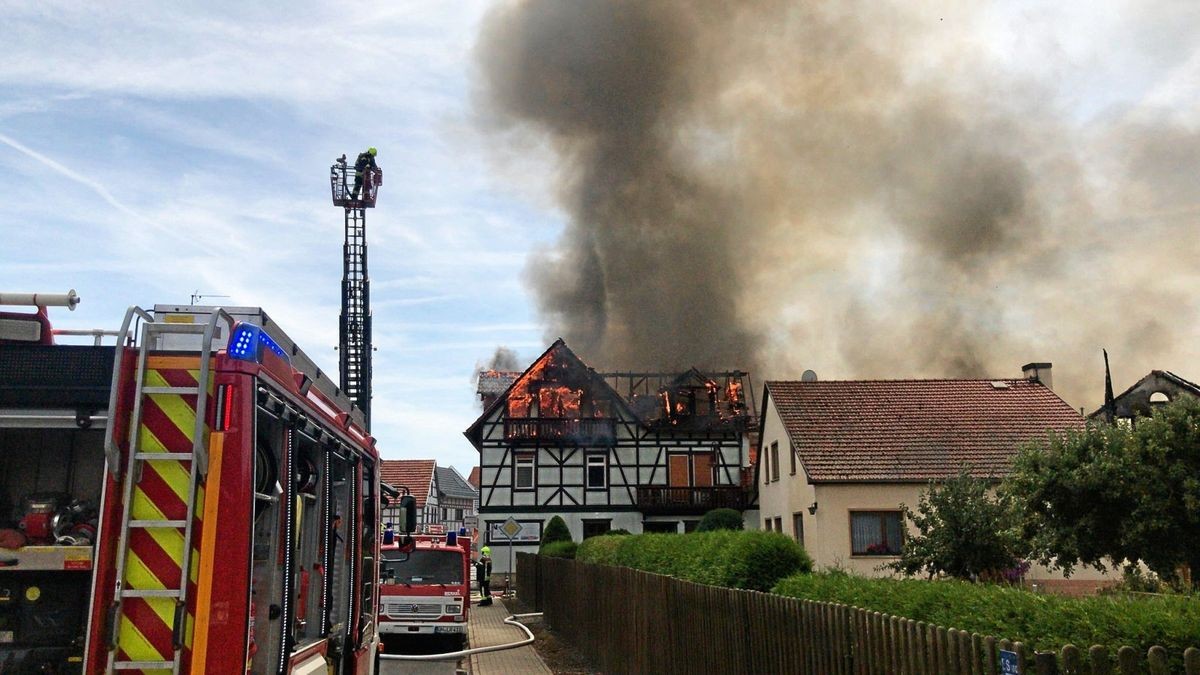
point(50, 484)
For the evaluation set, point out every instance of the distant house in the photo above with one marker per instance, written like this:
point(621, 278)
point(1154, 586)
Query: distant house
point(456, 498)
point(1157, 388)
point(838, 458)
point(644, 452)
point(417, 476)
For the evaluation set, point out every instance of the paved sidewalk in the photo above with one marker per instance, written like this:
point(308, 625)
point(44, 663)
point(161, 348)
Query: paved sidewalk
point(486, 627)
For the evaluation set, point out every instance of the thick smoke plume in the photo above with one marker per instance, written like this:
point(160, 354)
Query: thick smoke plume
point(851, 187)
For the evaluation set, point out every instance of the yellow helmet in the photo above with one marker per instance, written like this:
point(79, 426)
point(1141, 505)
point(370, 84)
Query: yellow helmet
point(486, 550)
point(372, 151)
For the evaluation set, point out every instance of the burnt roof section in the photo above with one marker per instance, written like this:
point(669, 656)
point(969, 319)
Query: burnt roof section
point(414, 474)
point(915, 430)
point(1152, 382)
point(636, 392)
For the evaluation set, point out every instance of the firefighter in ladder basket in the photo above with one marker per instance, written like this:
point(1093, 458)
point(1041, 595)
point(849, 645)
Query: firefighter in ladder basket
point(366, 160)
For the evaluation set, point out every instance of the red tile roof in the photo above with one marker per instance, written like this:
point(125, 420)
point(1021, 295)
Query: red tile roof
point(915, 430)
point(473, 479)
point(415, 474)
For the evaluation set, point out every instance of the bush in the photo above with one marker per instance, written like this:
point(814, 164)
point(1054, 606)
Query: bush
point(1042, 622)
point(751, 560)
point(559, 549)
point(556, 530)
point(616, 531)
point(721, 519)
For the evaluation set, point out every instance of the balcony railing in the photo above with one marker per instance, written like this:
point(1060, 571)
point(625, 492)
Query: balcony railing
point(689, 500)
point(582, 431)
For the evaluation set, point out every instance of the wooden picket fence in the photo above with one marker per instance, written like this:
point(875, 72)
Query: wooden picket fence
point(628, 621)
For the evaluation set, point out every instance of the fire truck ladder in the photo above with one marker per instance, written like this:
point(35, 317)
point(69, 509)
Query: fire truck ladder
point(136, 461)
point(354, 344)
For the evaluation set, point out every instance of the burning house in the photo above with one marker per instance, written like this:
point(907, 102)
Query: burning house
point(643, 452)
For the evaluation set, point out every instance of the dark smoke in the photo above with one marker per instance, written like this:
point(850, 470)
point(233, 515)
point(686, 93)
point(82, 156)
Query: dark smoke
point(505, 359)
point(850, 187)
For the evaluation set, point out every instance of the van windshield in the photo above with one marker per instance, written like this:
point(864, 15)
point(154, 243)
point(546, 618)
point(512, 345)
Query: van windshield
point(423, 567)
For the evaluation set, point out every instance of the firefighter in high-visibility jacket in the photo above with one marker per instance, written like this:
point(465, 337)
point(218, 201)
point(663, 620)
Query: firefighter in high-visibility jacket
point(366, 160)
point(483, 574)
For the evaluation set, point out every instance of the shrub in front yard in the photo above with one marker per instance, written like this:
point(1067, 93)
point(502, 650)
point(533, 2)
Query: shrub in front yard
point(556, 530)
point(734, 559)
point(559, 549)
point(1043, 622)
point(721, 519)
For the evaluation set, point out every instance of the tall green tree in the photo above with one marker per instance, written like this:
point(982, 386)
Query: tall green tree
point(556, 530)
point(1111, 494)
point(962, 530)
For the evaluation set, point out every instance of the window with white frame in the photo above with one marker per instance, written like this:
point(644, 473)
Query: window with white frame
point(876, 533)
point(523, 471)
point(597, 472)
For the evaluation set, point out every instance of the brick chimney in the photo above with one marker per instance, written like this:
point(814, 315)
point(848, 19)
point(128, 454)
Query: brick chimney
point(1038, 372)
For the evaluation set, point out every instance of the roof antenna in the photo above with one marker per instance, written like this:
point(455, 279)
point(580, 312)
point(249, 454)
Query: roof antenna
point(196, 296)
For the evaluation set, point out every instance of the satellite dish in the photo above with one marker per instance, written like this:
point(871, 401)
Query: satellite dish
point(809, 376)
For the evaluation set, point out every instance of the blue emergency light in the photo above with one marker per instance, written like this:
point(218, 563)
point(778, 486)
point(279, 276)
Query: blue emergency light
point(248, 342)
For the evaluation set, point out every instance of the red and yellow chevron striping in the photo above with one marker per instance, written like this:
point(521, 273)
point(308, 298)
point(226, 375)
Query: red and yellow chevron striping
point(155, 555)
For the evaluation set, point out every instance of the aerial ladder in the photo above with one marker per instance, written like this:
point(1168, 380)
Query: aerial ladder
point(354, 342)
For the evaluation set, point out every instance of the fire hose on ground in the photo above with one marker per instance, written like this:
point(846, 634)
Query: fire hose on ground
point(512, 620)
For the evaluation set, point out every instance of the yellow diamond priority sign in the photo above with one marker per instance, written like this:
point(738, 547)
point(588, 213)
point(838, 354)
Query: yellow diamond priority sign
point(511, 528)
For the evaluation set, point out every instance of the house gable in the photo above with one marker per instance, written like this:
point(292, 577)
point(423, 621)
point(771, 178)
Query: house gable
point(1156, 388)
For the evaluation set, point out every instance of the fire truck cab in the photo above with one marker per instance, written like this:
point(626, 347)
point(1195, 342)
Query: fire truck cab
point(205, 441)
point(425, 590)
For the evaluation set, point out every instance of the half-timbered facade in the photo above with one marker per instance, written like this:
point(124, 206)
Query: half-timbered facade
point(634, 451)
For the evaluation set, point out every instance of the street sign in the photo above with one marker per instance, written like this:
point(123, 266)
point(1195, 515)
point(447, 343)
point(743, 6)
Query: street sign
point(511, 528)
point(1008, 663)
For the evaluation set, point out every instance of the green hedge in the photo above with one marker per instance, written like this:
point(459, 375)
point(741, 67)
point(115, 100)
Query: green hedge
point(734, 559)
point(1044, 622)
point(559, 549)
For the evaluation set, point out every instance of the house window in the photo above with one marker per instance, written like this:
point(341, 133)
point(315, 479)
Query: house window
point(766, 466)
point(597, 472)
point(778, 524)
point(792, 455)
point(523, 471)
point(593, 528)
point(798, 527)
point(876, 532)
point(670, 527)
point(775, 460)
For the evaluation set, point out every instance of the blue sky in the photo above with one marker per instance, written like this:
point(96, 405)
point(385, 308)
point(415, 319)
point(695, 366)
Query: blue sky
point(149, 151)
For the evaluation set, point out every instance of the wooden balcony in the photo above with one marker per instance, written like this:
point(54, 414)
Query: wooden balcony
point(574, 431)
point(659, 500)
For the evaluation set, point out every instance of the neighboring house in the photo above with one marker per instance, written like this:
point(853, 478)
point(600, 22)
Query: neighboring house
point(473, 480)
point(456, 498)
point(644, 452)
point(1157, 388)
point(838, 458)
point(418, 476)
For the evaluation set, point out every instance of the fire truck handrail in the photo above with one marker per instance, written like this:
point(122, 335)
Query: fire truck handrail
point(111, 452)
point(200, 439)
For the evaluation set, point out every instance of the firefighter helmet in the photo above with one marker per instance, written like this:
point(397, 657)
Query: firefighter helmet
point(372, 151)
point(486, 550)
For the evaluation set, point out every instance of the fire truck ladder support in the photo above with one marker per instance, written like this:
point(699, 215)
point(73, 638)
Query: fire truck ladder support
point(132, 475)
point(355, 347)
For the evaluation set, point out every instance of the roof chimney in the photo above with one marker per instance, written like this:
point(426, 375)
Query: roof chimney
point(1038, 372)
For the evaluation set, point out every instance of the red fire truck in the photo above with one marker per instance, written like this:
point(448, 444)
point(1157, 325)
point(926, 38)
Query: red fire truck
point(425, 591)
point(206, 442)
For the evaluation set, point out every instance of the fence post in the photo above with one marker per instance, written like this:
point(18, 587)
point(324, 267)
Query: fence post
point(1157, 658)
point(1044, 663)
point(989, 647)
point(964, 652)
point(1191, 661)
point(1098, 657)
point(977, 655)
point(1071, 660)
point(1127, 660)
